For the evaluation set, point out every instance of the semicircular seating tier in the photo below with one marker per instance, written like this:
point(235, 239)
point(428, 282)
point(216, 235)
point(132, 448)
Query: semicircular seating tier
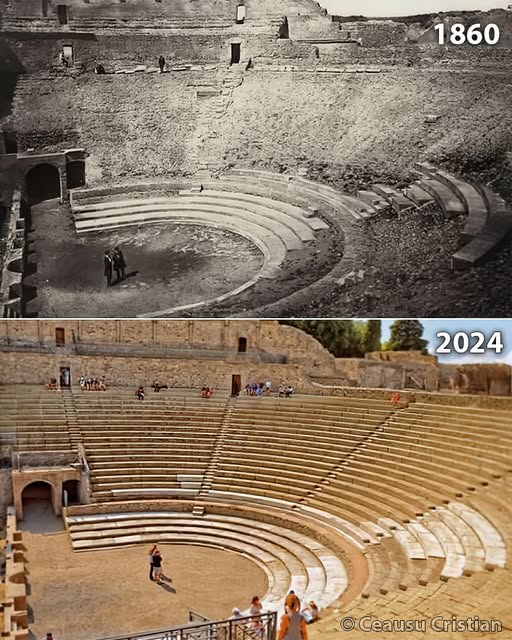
point(406, 498)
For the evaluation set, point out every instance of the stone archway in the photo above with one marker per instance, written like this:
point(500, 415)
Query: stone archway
point(37, 496)
point(43, 183)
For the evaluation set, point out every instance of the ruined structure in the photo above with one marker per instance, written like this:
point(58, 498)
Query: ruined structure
point(317, 145)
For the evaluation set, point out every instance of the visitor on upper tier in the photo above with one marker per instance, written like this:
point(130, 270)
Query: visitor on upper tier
point(310, 612)
point(99, 69)
point(293, 623)
point(52, 385)
point(140, 393)
point(161, 64)
point(268, 387)
point(395, 399)
point(247, 389)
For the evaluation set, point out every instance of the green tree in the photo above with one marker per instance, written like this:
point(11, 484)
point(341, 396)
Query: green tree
point(406, 335)
point(372, 336)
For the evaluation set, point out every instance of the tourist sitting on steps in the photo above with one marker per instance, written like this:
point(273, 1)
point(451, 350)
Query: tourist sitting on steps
point(310, 612)
point(140, 393)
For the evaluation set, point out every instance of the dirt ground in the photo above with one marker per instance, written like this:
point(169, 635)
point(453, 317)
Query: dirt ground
point(80, 596)
point(168, 265)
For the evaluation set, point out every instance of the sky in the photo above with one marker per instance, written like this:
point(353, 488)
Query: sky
point(406, 7)
point(487, 327)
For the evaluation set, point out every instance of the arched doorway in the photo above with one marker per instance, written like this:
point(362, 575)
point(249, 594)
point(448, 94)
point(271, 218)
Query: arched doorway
point(43, 183)
point(36, 497)
point(71, 492)
point(76, 174)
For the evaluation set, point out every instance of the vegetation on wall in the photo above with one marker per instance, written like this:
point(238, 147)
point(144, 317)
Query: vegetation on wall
point(343, 338)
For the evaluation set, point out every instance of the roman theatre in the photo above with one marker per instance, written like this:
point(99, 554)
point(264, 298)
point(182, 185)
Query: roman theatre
point(286, 162)
point(369, 508)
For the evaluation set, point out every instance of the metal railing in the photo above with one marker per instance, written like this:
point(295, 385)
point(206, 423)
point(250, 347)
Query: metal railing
point(261, 627)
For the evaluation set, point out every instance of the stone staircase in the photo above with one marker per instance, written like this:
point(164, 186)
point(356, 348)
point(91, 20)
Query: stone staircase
point(217, 451)
point(214, 98)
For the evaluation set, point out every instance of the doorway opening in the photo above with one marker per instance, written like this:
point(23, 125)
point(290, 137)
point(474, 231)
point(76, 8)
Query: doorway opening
point(60, 337)
point(71, 492)
point(75, 171)
point(43, 183)
point(67, 55)
point(242, 345)
point(240, 14)
point(62, 13)
point(236, 53)
point(236, 385)
point(65, 377)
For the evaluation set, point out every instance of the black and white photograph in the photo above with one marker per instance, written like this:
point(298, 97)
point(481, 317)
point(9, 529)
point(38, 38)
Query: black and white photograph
point(257, 158)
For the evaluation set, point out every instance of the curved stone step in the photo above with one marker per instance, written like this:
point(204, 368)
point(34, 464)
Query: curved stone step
point(396, 198)
point(272, 245)
point(474, 203)
point(298, 224)
point(444, 196)
point(307, 190)
point(497, 229)
point(489, 536)
point(315, 572)
point(418, 195)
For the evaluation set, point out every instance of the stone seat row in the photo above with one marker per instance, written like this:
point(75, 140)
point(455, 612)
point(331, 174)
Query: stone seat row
point(290, 559)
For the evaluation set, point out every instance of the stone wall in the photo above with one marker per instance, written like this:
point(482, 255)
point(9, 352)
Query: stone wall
point(6, 494)
point(38, 368)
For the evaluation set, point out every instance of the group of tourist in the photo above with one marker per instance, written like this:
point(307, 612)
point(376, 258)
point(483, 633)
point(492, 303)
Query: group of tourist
point(92, 384)
point(286, 391)
point(293, 622)
point(113, 260)
point(206, 392)
point(258, 388)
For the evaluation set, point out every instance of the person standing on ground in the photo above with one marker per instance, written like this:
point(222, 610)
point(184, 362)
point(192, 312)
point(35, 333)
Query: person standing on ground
point(119, 264)
point(293, 624)
point(150, 555)
point(161, 63)
point(157, 566)
point(107, 267)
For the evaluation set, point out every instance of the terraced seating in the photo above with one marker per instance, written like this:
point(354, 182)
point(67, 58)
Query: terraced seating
point(36, 421)
point(308, 191)
point(148, 447)
point(488, 221)
point(474, 205)
point(496, 230)
point(290, 560)
point(274, 229)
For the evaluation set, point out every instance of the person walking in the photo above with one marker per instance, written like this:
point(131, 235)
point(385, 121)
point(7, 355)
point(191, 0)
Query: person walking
point(119, 264)
point(161, 64)
point(293, 624)
point(107, 267)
